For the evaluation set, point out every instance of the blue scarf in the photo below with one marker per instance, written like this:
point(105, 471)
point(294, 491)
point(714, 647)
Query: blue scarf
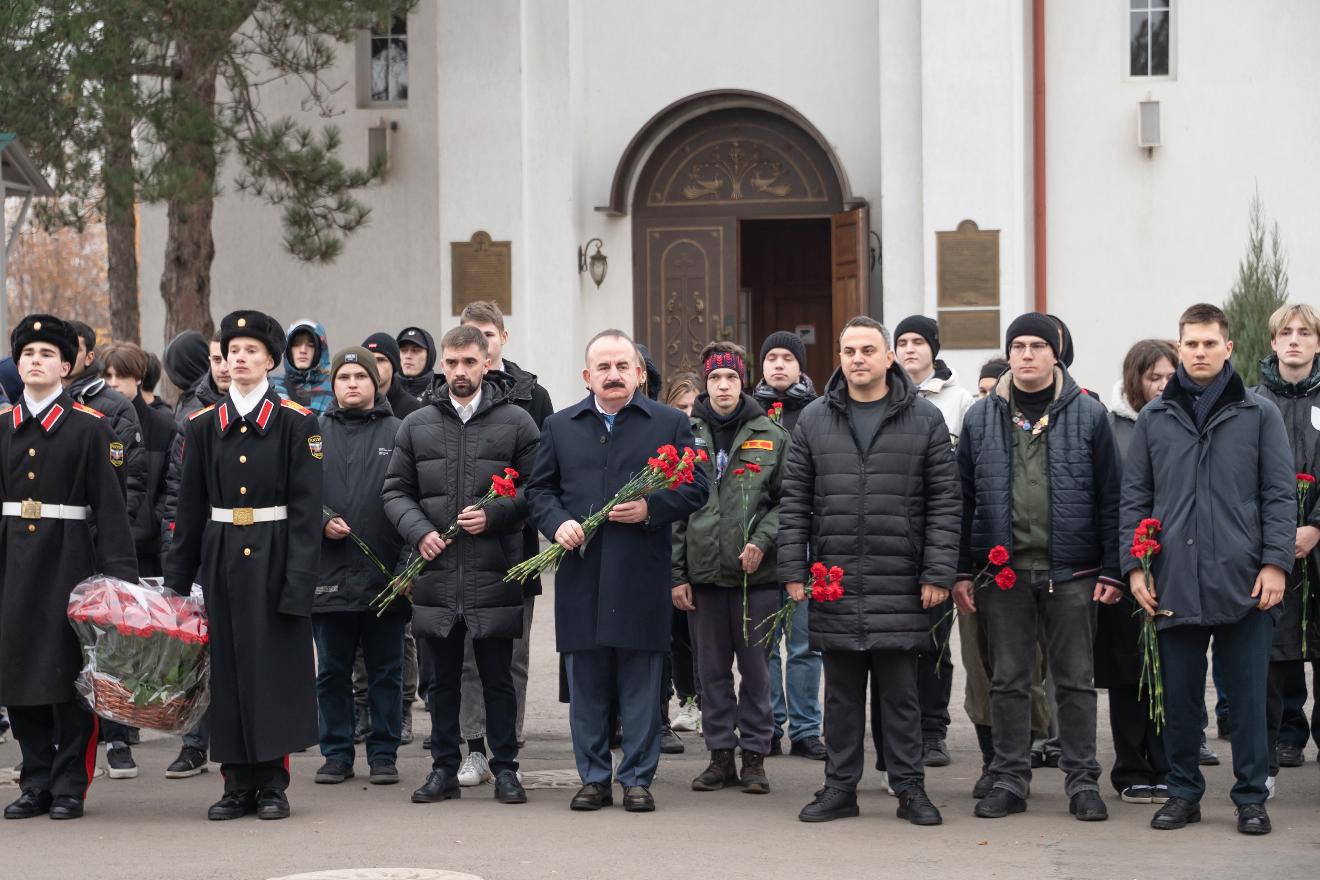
point(1204, 397)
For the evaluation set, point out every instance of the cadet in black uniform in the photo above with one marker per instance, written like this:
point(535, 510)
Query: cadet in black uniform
point(64, 520)
point(248, 529)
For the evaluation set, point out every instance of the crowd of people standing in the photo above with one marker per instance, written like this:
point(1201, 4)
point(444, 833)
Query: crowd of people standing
point(294, 483)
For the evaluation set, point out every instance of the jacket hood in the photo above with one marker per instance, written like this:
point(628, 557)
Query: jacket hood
point(796, 396)
point(10, 380)
point(431, 354)
point(1270, 378)
point(520, 382)
point(380, 408)
point(187, 359)
point(653, 380)
point(942, 375)
point(206, 392)
point(901, 390)
point(1118, 403)
point(701, 409)
point(89, 382)
point(320, 368)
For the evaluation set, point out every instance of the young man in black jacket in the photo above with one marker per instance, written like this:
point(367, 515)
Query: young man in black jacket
point(1040, 477)
point(443, 461)
point(357, 440)
point(417, 356)
point(386, 351)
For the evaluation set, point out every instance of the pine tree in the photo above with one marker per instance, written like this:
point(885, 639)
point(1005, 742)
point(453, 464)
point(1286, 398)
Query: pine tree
point(123, 101)
point(1261, 288)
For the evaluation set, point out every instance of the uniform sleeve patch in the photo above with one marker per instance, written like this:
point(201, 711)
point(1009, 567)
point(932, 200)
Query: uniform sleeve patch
point(117, 454)
point(767, 445)
point(315, 446)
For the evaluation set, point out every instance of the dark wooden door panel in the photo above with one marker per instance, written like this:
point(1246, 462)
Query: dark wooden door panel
point(850, 262)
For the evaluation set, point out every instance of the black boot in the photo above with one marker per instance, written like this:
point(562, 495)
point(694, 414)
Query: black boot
point(719, 773)
point(754, 780)
point(914, 806)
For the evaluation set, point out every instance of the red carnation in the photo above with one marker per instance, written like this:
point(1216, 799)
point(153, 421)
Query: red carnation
point(998, 555)
point(818, 571)
point(1006, 579)
point(511, 473)
point(702, 456)
point(753, 467)
point(1305, 478)
point(738, 472)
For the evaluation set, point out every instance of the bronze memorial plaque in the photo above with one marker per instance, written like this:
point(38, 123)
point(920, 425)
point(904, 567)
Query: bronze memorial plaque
point(482, 269)
point(967, 267)
point(969, 328)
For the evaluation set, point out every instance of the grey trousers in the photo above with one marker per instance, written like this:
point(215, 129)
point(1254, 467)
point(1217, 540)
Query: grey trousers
point(1011, 619)
point(744, 719)
point(472, 708)
point(977, 694)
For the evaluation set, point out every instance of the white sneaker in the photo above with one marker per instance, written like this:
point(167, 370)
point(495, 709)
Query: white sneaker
point(1269, 787)
point(475, 770)
point(688, 718)
point(884, 781)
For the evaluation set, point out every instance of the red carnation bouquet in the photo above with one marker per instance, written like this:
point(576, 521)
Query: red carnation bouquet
point(500, 487)
point(776, 411)
point(1305, 483)
point(1005, 579)
point(826, 585)
point(667, 470)
point(1145, 547)
point(146, 654)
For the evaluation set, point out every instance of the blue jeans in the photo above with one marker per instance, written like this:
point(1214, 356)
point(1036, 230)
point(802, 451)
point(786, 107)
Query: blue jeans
point(802, 711)
point(338, 635)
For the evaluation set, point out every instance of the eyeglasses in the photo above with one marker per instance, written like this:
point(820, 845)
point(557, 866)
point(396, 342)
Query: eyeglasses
point(1033, 347)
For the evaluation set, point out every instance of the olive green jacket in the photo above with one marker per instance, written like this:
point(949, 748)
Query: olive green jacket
point(708, 543)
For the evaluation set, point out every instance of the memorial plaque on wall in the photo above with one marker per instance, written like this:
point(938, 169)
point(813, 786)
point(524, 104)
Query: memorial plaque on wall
point(967, 265)
point(482, 269)
point(969, 328)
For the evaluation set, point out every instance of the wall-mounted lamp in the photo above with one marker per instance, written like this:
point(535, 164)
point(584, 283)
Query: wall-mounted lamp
point(1149, 135)
point(597, 263)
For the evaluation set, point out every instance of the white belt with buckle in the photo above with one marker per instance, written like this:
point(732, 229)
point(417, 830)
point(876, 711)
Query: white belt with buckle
point(246, 516)
point(30, 509)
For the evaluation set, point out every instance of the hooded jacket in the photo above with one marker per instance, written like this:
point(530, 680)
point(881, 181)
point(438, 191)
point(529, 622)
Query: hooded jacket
point(310, 387)
point(794, 398)
point(887, 513)
point(357, 445)
point(159, 432)
point(951, 399)
point(418, 385)
point(90, 389)
point(187, 359)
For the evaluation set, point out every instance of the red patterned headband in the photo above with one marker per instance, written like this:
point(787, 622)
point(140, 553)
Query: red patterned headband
point(724, 360)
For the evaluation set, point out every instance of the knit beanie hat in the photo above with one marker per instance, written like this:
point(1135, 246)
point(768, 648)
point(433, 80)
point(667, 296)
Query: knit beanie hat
point(1065, 341)
point(724, 360)
point(384, 343)
point(1034, 324)
point(789, 340)
point(927, 328)
point(356, 355)
point(993, 370)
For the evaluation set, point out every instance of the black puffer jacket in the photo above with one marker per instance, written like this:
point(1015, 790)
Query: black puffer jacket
point(888, 515)
point(159, 431)
point(1084, 481)
point(357, 445)
point(440, 466)
point(90, 389)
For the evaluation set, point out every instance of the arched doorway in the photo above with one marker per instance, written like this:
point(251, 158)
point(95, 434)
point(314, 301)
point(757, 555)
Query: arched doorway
point(742, 225)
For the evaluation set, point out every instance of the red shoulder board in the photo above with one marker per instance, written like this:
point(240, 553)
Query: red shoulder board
point(296, 407)
point(202, 411)
point(87, 409)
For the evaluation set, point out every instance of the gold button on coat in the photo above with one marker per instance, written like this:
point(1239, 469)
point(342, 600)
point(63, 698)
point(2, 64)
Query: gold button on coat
point(32, 527)
point(242, 490)
point(242, 459)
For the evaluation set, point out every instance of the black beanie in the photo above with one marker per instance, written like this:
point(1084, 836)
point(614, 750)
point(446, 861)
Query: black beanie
point(993, 369)
point(789, 340)
point(1065, 341)
point(926, 328)
point(1034, 324)
point(383, 343)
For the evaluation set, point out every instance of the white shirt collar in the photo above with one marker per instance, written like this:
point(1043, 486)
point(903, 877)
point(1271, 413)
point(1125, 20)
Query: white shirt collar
point(36, 406)
point(245, 403)
point(467, 410)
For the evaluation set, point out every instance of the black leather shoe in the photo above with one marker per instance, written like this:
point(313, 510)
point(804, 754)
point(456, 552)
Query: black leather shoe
point(1088, 807)
point(638, 799)
point(30, 803)
point(914, 806)
point(808, 747)
point(1290, 756)
point(999, 803)
point(935, 754)
point(234, 805)
point(831, 803)
point(1252, 819)
point(70, 807)
point(440, 785)
point(508, 790)
point(592, 797)
point(272, 804)
point(984, 785)
point(670, 743)
point(1176, 813)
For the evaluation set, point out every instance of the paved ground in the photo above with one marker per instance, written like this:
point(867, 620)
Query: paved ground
point(150, 827)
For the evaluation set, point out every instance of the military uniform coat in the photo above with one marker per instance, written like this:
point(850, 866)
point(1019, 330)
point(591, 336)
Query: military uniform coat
point(66, 454)
point(258, 579)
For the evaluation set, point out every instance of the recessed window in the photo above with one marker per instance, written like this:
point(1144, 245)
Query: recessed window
point(1148, 29)
point(389, 63)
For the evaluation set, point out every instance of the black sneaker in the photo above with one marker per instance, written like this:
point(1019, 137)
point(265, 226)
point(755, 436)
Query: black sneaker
point(1252, 819)
point(1290, 756)
point(1137, 794)
point(999, 803)
point(383, 772)
point(189, 763)
point(808, 747)
point(1088, 807)
point(830, 804)
point(119, 760)
point(935, 753)
point(333, 772)
point(670, 743)
point(915, 806)
point(1176, 813)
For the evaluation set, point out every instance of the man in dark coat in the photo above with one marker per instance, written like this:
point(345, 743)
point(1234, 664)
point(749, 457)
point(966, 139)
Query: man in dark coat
point(417, 357)
point(1209, 460)
point(1290, 379)
point(443, 462)
point(612, 598)
point(64, 520)
point(249, 531)
point(870, 487)
point(358, 438)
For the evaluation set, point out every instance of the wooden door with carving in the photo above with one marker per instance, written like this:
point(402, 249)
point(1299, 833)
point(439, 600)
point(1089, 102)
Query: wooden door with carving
point(689, 291)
